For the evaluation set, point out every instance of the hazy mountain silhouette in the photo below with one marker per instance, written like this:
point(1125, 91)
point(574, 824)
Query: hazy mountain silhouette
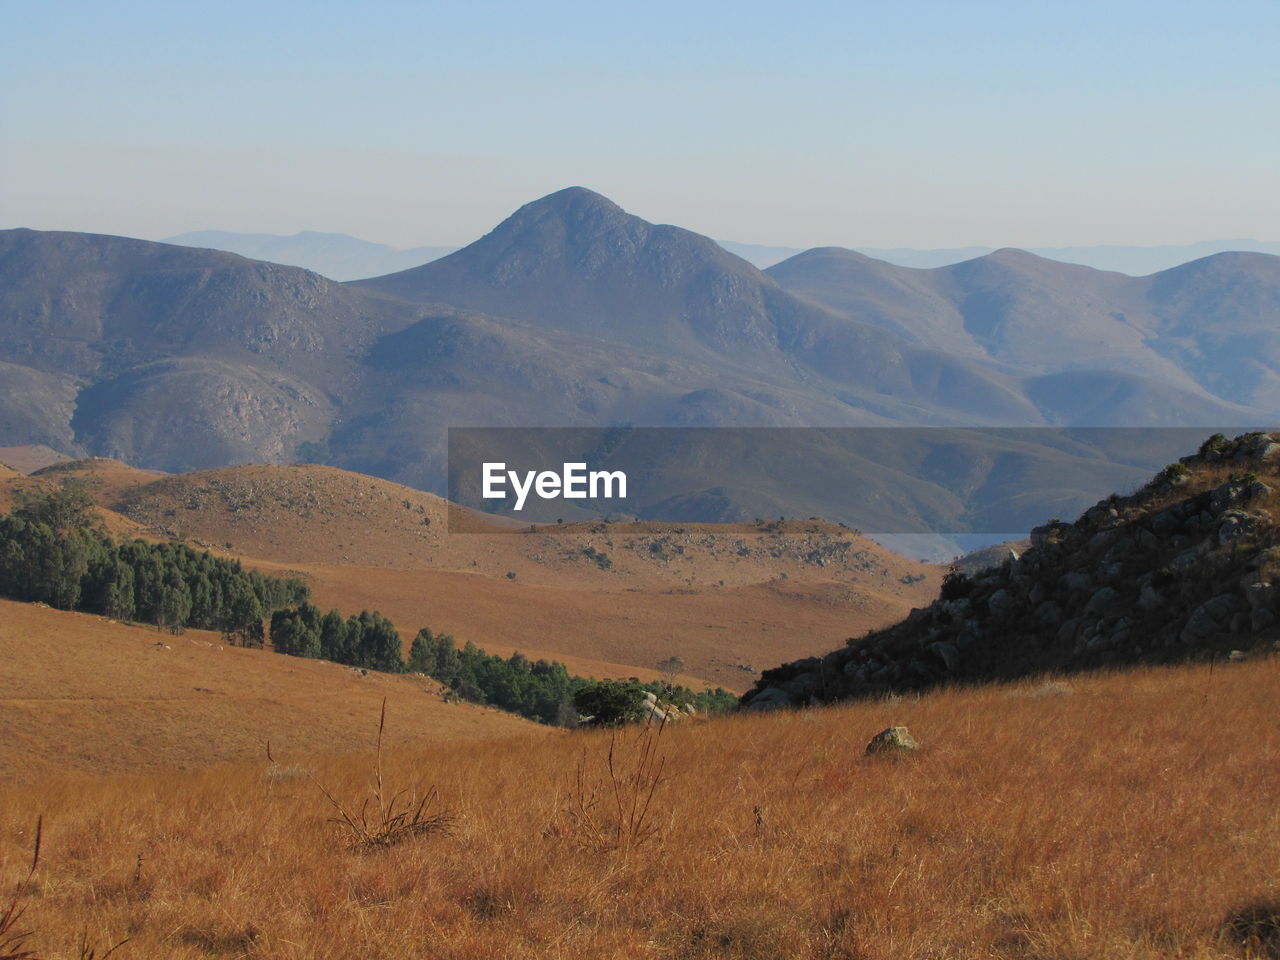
point(574, 312)
point(1210, 327)
point(334, 255)
point(342, 257)
point(1134, 260)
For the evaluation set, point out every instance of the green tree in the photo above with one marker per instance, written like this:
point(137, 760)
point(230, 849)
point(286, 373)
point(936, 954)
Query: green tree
point(610, 703)
point(63, 511)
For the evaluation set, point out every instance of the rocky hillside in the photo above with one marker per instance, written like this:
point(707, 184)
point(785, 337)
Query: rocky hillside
point(1187, 567)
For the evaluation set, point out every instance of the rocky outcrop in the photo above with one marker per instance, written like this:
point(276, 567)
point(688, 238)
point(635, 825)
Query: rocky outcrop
point(1187, 567)
point(893, 740)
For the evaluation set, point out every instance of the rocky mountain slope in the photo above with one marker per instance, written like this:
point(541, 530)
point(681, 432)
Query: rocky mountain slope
point(1187, 567)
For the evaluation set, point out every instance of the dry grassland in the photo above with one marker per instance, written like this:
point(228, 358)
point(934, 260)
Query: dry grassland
point(80, 694)
point(1127, 815)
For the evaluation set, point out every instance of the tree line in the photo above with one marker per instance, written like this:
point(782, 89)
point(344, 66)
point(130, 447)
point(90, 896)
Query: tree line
point(540, 690)
point(51, 551)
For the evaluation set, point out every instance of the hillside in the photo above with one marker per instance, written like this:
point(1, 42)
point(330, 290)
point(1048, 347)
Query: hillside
point(1182, 569)
point(82, 695)
point(1123, 815)
point(605, 601)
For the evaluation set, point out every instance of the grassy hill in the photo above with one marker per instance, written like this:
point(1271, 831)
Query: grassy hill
point(1123, 815)
point(81, 694)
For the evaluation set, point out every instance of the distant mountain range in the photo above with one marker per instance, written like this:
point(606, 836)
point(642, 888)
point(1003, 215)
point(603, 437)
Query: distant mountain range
point(333, 255)
point(341, 257)
point(1134, 260)
point(572, 312)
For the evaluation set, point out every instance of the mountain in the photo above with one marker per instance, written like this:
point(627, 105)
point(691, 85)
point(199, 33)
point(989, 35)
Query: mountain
point(573, 312)
point(1135, 261)
point(1182, 569)
point(342, 257)
point(173, 357)
point(1210, 328)
point(575, 263)
point(334, 255)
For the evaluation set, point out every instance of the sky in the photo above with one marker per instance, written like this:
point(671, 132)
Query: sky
point(915, 123)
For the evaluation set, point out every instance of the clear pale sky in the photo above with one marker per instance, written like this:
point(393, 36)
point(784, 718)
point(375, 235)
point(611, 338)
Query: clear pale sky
point(921, 123)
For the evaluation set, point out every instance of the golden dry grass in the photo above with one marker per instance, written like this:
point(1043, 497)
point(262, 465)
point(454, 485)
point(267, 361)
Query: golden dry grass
point(80, 694)
point(1126, 815)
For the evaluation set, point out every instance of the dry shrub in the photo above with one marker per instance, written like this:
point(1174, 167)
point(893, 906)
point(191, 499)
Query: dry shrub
point(1255, 929)
point(384, 821)
point(613, 808)
point(12, 939)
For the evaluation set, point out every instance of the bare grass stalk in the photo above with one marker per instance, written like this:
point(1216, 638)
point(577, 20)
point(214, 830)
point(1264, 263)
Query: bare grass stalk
point(383, 821)
point(633, 769)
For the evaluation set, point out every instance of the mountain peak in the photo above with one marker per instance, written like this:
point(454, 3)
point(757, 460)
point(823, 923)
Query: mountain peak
point(574, 196)
point(572, 206)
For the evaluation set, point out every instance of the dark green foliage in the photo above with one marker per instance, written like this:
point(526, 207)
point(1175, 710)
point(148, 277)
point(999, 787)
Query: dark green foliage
point(955, 585)
point(297, 632)
point(610, 703)
point(374, 643)
point(63, 510)
point(539, 690)
point(50, 552)
point(1214, 444)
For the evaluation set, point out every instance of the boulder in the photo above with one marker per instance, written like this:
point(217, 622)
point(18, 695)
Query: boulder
point(1076, 581)
point(803, 686)
point(1000, 601)
point(948, 653)
point(1212, 616)
point(892, 740)
point(1150, 598)
point(1105, 601)
point(1237, 524)
point(770, 698)
point(1260, 595)
point(1049, 613)
point(1168, 521)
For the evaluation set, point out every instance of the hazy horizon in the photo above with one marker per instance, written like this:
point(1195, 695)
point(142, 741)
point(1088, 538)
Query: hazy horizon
point(927, 125)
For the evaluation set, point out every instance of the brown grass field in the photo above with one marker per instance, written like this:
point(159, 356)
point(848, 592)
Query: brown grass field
point(80, 694)
point(1125, 815)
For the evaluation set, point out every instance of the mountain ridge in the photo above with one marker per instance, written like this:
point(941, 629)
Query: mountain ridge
point(574, 312)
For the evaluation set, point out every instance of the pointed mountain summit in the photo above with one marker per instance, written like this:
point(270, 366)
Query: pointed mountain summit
point(575, 261)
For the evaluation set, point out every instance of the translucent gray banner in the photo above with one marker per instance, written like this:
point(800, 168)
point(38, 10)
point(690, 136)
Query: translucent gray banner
point(911, 480)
